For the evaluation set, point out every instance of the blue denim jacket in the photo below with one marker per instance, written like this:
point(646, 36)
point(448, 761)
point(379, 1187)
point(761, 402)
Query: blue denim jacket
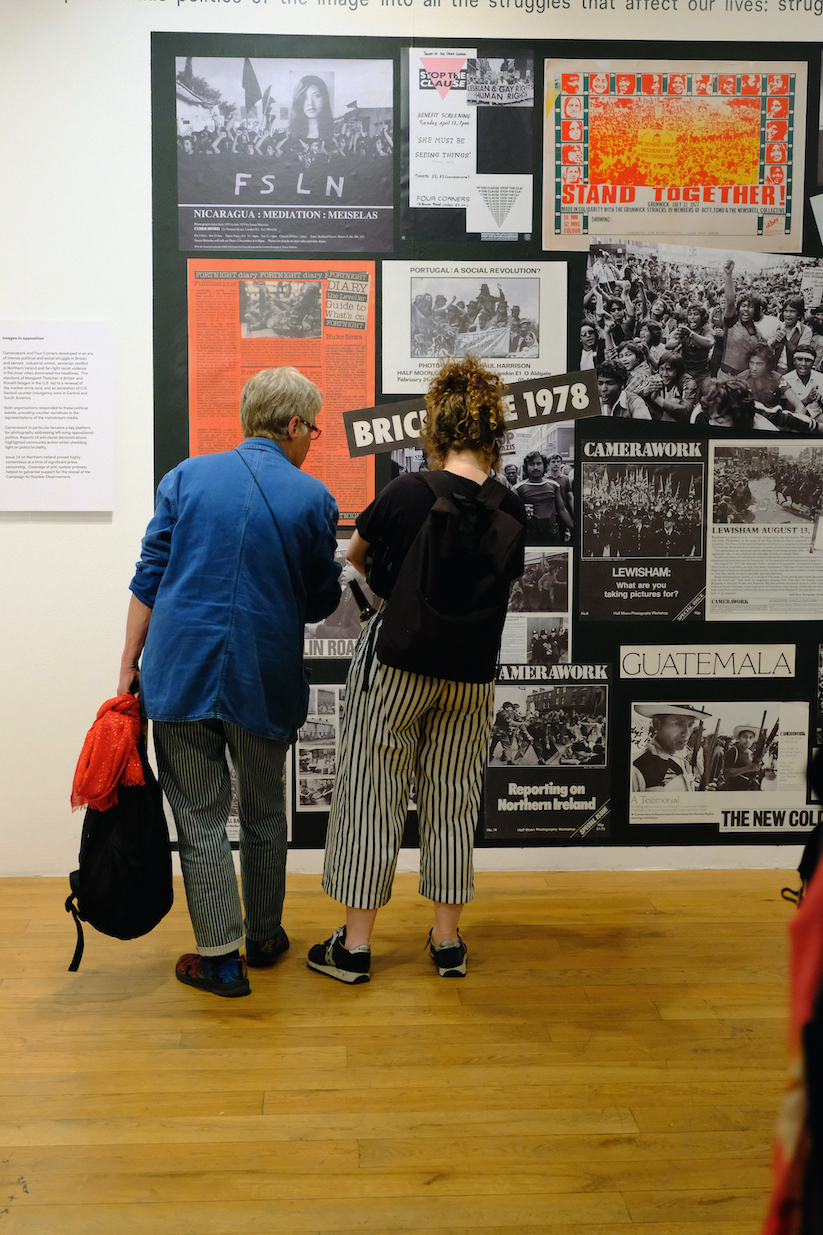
point(225, 638)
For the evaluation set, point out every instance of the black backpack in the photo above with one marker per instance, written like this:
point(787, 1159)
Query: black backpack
point(448, 604)
point(123, 886)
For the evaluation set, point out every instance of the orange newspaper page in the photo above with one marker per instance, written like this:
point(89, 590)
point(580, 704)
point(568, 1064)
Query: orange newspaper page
point(317, 316)
point(695, 152)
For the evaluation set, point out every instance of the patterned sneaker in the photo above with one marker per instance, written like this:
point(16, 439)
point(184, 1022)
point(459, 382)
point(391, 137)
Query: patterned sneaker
point(335, 960)
point(449, 957)
point(221, 975)
point(263, 955)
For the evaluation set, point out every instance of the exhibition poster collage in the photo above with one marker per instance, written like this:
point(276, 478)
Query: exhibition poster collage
point(622, 240)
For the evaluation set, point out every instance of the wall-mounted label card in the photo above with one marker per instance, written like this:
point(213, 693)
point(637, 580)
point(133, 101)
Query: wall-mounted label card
point(742, 661)
point(57, 449)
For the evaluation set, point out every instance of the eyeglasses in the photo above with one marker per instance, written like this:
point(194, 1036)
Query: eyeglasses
point(313, 429)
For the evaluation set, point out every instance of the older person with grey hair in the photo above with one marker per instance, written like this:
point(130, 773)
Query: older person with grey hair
point(238, 556)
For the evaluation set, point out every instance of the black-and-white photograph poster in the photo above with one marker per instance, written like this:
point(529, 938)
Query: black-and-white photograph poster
point(289, 155)
point(505, 313)
point(315, 752)
point(737, 767)
point(765, 545)
point(713, 337)
point(548, 775)
point(537, 629)
point(642, 510)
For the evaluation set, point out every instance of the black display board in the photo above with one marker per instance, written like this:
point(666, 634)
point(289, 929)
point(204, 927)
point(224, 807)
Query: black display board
point(417, 234)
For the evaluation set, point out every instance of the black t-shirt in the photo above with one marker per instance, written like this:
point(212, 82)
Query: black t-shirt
point(391, 522)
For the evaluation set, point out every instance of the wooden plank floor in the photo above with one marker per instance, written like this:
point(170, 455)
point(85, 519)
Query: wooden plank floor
point(611, 1066)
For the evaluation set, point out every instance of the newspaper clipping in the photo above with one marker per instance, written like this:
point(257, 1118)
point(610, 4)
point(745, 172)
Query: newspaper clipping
point(470, 138)
point(548, 776)
point(719, 338)
point(538, 623)
point(705, 151)
point(765, 549)
point(316, 316)
point(691, 762)
point(292, 155)
point(334, 638)
point(316, 748)
point(505, 313)
point(643, 553)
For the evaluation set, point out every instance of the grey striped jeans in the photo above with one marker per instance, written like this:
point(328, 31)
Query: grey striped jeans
point(397, 723)
point(193, 772)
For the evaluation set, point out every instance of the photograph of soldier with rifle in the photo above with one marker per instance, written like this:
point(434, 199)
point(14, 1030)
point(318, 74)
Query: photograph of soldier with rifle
point(699, 748)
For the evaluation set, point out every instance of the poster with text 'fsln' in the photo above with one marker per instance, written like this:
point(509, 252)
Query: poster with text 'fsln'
point(289, 155)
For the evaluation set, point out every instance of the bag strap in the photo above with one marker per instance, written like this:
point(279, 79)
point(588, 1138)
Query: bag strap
point(490, 494)
point(274, 521)
point(78, 951)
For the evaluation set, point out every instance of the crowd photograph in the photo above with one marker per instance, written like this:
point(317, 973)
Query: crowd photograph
point(281, 309)
point(550, 726)
point(768, 484)
point(636, 511)
point(453, 315)
point(500, 82)
point(638, 140)
point(328, 113)
point(701, 336)
point(543, 479)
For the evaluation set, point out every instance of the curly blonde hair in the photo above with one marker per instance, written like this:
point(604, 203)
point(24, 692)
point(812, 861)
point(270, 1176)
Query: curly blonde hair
point(464, 411)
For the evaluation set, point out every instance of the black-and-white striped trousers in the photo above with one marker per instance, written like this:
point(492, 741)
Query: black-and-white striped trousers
point(192, 769)
point(397, 723)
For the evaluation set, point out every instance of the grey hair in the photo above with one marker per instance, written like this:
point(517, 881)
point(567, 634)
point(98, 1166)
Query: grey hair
point(272, 397)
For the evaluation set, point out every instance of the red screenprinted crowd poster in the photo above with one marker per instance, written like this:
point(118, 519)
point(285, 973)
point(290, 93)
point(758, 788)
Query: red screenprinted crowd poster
point(317, 316)
point(701, 152)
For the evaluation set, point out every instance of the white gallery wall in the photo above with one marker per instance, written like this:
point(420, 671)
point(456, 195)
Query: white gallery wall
point(75, 196)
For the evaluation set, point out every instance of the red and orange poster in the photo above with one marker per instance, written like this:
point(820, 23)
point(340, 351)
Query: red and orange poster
point(317, 316)
point(697, 152)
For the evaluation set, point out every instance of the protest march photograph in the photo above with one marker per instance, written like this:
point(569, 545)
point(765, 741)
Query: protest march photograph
point(725, 339)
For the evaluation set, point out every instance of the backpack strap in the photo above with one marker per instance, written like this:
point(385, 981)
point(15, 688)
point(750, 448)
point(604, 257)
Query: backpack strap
point(71, 908)
point(490, 494)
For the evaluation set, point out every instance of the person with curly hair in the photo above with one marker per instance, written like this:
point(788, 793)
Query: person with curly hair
point(398, 723)
point(729, 405)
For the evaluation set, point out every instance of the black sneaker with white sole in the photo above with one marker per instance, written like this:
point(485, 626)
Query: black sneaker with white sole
point(338, 962)
point(449, 956)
